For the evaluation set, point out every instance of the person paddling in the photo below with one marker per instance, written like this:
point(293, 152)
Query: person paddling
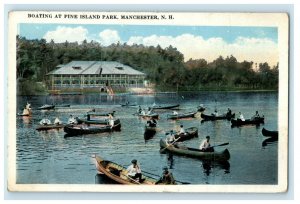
point(57, 121)
point(205, 145)
point(166, 178)
point(111, 121)
point(170, 138)
point(134, 171)
point(241, 117)
point(182, 130)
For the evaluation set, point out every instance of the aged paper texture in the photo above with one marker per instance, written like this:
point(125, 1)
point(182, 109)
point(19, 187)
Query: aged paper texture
point(113, 72)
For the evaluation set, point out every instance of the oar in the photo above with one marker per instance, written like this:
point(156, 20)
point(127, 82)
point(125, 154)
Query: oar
point(132, 179)
point(161, 150)
point(159, 176)
point(227, 143)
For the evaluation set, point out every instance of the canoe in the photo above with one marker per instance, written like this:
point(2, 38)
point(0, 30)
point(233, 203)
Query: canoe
point(221, 117)
point(268, 133)
point(190, 133)
point(165, 107)
point(196, 153)
point(239, 122)
point(62, 105)
point(181, 115)
point(152, 115)
point(103, 121)
point(49, 127)
point(118, 173)
point(46, 107)
point(100, 114)
point(269, 140)
point(72, 130)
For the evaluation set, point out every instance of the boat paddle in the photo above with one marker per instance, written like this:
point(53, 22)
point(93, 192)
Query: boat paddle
point(163, 149)
point(224, 144)
point(195, 149)
point(159, 176)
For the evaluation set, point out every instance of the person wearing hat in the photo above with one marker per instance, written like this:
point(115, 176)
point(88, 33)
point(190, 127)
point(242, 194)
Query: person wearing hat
point(166, 178)
point(134, 171)
point(182, 130)
point(170, 138)
point(255, 116)
point(205, 145)
point(72, 120)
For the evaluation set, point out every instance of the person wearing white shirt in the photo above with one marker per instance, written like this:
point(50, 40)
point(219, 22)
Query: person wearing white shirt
point(241, 117)
point(205, 145)
point(170, 138)
point(175, 113)
point(111, 121)
point(45, 122)
point(57, 121)
point(134, 171)
point(72, 120)
point(182, 131)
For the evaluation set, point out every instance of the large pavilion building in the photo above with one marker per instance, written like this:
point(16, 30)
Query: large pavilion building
point(94, 75)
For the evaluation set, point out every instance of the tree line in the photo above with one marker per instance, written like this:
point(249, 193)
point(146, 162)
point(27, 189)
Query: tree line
point(165, 68)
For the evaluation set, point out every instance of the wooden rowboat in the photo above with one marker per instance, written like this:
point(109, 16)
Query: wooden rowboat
point(119, 173)
point(165, 107)
point(189, 134)
point(49, 127)
point(73, 130)
point(268, 133)
point(221, 117)
point(181, 115)
point(239, 122)
point(196, 153)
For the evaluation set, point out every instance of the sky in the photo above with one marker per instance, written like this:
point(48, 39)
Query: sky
point(257, 44)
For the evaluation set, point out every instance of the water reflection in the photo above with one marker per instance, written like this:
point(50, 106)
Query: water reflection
point(170, 161)
point(58, 153)
point(269, 141)
point(149, 134)
point(103, 179)
point(208, 166)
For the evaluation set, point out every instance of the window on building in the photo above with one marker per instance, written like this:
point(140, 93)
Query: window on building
point(66, 82)
point(57, 82)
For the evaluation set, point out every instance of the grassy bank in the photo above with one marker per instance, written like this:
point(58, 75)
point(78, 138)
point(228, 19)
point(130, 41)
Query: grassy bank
point(29, 87)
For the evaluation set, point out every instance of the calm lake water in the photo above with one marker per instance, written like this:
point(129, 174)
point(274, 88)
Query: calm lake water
point(49, 158)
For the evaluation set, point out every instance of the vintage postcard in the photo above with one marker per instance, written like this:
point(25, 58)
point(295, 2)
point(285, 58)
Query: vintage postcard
point(148, 102)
